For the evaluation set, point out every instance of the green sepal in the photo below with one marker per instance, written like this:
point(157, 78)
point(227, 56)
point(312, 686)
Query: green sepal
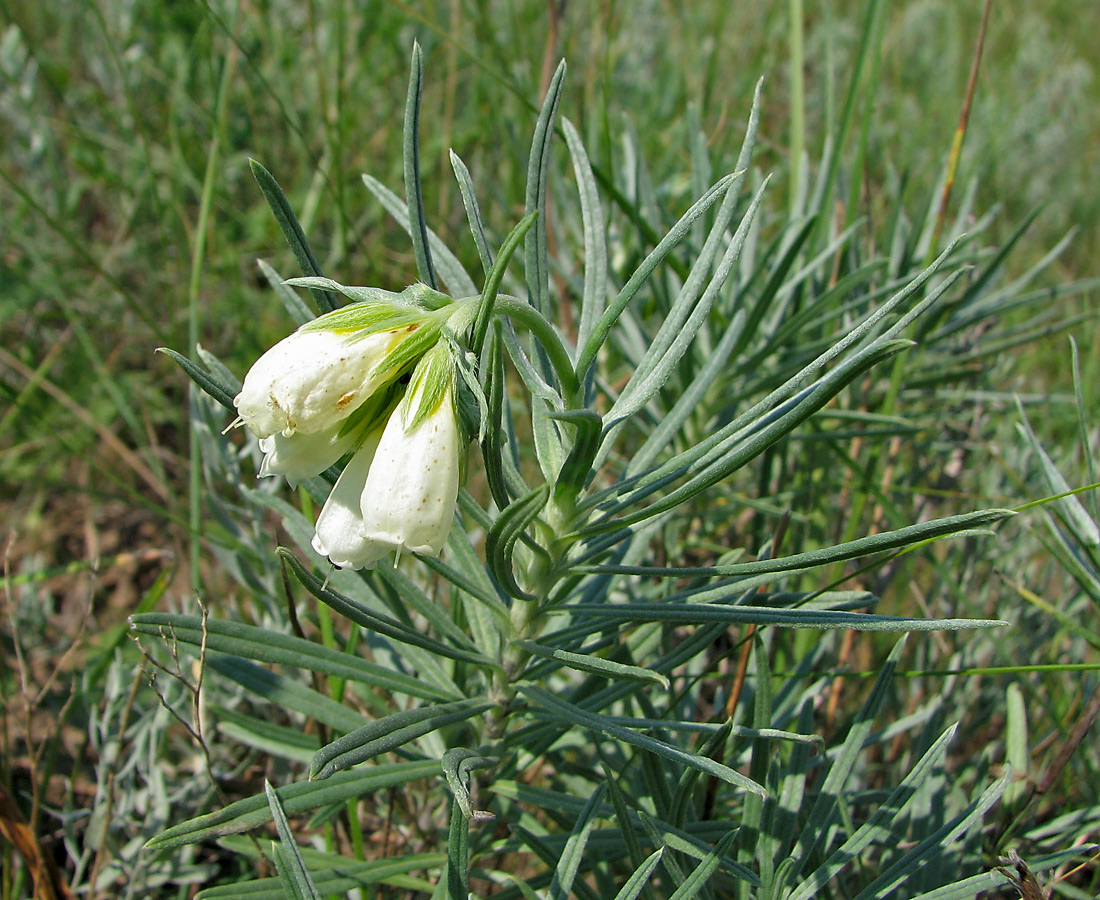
point(374, 412)
point(432, 384)
point(502, 537)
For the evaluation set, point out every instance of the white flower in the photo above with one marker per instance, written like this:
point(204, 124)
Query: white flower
point(399, 491)
point(312, 380)
point(304, 455)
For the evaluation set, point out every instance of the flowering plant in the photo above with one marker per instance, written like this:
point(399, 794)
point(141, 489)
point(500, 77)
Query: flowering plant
point(540, 643)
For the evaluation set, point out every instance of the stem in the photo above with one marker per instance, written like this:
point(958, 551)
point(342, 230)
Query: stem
point(197, 259)
point(960, 133)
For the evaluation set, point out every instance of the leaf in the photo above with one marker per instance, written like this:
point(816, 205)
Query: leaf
point(389, 733)
point(642, 274)
point(502, 537)
point(473, 212)
point(882, 827)
point(909, 536)
point(457, 764)
point(701, 613)
point(299, 797)
point(569, 862)
point(292, 871)
point(292, 302)
point(595, 236)
point(292, 231)
point(637, 881)
point(410, 154)
point(447, 266)
point(701, 874)
point(595, 665)
point(212, 386)
point(594, 722)
point(264, 645)
point(492, 282)
point(536, 265)
point(367, 618)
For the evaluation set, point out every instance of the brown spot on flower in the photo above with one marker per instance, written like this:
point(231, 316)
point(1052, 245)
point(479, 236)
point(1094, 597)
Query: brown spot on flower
point(345, 399)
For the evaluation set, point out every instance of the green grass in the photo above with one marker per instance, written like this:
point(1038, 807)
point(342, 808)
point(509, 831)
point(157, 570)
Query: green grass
point(131, 220)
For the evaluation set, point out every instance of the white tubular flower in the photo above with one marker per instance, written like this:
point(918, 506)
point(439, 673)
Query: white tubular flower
point(304, 455)
point(340, 526)
point(400, 489)
point(312, 380)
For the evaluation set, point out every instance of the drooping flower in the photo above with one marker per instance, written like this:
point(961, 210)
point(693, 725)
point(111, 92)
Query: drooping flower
point(400, 489)
point(312, 380)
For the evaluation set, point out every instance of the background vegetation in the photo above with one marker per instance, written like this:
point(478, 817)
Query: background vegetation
point(132, 221)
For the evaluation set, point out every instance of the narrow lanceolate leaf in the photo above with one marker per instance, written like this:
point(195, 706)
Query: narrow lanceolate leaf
point(389, 733)
point(334, 876)
point(292, 302)
point(507, 529)
point(456, 875)
point(493, 280)
point(414, 198)
point(640, 877)
point(453, 274)
point(700, 875)
point(296, 798)
point(595, 236)
point(1076, 518)
point(207, 382)
point(292, 231)
point(881, 827)
point(457, 765)
point(285, 692)
point(569, 863)
point(595, 665)
point(536, 257)
point(473, 211)
point(968, 888)
point(292, 871)
point(575, 715)
point(702, 613)
point(368, 618)
point(908, 536)
point(686, 316)
point(264, 645)
point(816, 835)
point(578, 466)
point(642, 274)
point(971, 817)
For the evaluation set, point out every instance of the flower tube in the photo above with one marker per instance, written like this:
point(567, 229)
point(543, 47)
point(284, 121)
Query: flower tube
point(407, 480)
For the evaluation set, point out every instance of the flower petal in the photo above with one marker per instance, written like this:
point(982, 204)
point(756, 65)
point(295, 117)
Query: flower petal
point(304, 455)
point(310, 380)
point(409, 497)
point(340, 526)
